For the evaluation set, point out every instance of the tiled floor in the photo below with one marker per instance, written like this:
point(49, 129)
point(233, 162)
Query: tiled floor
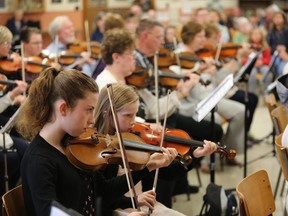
point(259, 156)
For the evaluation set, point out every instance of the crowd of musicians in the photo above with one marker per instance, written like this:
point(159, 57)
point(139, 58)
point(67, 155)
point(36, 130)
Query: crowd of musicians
point(63, 90)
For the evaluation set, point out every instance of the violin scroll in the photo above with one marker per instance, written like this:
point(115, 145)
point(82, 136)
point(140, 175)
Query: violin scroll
point(224, 152)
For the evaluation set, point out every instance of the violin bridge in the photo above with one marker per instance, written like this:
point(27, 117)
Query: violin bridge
point(108, 140)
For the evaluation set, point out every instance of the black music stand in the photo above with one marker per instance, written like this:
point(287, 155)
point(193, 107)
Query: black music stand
point(271, 65)
point(272, 86)
point(6, 130)
point(243, 76)
point(207, 105)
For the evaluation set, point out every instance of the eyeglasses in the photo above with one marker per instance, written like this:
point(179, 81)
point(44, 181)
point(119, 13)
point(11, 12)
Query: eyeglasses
point(158, 37)
point(36, 43)
point(131, 54)
point(6, 43)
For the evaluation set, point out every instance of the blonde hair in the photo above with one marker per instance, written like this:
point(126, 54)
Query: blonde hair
point(5, 34)
point(123, 96)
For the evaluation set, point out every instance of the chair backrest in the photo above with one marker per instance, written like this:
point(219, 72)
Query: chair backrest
point(13, 202)
point(281, 118)
point(270, 102)
point(256, 195)
point(282, 153)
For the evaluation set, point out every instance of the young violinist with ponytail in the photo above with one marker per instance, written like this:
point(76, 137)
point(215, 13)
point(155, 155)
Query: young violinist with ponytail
point(117, 52)
point(62, 104)
point(126, 103)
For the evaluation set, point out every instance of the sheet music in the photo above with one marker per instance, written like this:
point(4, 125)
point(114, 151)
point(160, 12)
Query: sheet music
point(250, 63)
point(10, 124)
point(208, 103)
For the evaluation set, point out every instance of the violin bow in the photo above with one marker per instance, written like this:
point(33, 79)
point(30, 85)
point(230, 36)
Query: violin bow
point(160, 145)
point(56, 48)
point(126, 165)
point(218, 49)
point(23, 65)
point(86, 25)
point(156, 77)
point(176, 53)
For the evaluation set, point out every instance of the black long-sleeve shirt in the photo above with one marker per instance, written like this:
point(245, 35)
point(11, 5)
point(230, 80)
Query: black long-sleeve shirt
point(48, 175)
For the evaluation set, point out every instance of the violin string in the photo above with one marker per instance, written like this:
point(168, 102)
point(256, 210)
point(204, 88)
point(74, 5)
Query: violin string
point(126, 166)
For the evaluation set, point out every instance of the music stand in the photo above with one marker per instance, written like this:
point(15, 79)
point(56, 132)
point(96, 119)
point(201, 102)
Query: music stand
point(271, 65)
point(208, 105)
point(6, 129)
point(243, 76)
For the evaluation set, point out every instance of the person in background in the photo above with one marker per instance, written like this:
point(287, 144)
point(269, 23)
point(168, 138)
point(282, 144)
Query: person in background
point(258, 44)
point(215, 17)
point(66, 102)
point(15, 24)
point(33, 46)
point(97, 34)
point(171, 36)
point(63, 27)
point(12, 142)
point(243, 27)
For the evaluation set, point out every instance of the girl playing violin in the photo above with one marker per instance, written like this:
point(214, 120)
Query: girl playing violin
point(117, 52)
point(126, 103)
point(61, 104)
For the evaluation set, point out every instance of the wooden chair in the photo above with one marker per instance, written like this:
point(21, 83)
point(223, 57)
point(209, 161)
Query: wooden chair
point(282, 153)
point(280, 119)
point(13, 202)
point(270, 102)
point(255, 195)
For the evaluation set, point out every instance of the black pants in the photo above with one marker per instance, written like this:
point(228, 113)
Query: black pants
point(251, 105)
point(166, 188)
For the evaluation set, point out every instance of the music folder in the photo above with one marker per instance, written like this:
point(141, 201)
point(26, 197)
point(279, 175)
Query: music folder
point(208, 103)
point(247, 67)
point(59, 210)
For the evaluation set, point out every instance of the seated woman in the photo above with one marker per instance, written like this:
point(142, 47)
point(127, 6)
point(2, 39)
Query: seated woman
point(12, 142)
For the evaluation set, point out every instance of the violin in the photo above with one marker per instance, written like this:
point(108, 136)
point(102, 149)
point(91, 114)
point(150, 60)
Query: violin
point(174, 138)
point(90, 151)
point(206, 51)
point(167, 58)
point(4, 82)
point(33, 64)
point(78, 47)
point(36, 64)
point(10, 64)
point(229, 50)
point(140, 78)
